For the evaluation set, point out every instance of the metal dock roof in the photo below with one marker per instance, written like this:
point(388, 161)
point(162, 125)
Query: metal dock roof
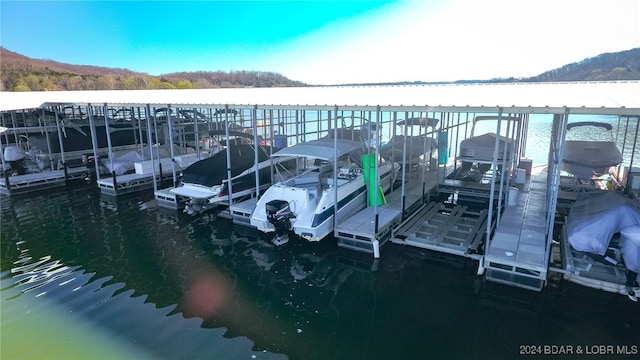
point(615, 97)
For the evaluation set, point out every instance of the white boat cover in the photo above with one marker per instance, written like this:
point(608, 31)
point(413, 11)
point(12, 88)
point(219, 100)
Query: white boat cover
point(13, 153)
point(324, 149)
point(630, 247)
point(596, 216)
point(123, 163)
point(126, 162)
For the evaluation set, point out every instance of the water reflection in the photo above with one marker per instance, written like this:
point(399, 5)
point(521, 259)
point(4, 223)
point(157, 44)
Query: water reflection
point(174, 286)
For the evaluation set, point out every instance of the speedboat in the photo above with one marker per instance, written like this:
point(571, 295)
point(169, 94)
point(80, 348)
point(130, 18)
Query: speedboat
point(418, 144)
point(200, 182)
point(244, 184)
point(306, 202)
point(584, 158)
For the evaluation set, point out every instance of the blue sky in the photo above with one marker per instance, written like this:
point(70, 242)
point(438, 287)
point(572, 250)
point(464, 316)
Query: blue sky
point(324, 42)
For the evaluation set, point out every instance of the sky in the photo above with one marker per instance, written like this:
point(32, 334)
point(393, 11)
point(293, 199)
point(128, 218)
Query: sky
point(324, 42)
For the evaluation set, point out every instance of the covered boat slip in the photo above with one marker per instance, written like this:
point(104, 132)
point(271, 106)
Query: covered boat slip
point(513, 240)
point(113, 138)
point(518, 252)
point(598, 234)
point(373, 226)
point(23, 184)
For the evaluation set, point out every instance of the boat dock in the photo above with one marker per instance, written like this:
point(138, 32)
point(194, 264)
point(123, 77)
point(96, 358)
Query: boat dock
point(27, 183)
point(240, 212)
point(488, 212)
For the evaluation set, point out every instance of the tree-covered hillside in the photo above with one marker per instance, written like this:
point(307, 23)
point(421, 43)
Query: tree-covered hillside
point(21, 73)
point(623, 65)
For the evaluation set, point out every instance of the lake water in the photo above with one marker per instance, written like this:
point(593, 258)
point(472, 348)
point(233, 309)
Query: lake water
point(84, 276)
point(87, 276)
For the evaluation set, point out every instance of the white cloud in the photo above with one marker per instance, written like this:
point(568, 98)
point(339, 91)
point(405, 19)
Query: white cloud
point(464, 39)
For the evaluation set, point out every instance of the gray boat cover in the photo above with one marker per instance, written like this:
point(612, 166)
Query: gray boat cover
point(630, 247)
point(596, 216)
point(415, 147)
point(481, 147)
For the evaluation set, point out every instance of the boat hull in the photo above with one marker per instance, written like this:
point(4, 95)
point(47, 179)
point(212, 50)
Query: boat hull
point(312, 200)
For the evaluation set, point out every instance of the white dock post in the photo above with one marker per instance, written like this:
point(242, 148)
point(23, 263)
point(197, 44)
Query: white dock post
point(376, 249)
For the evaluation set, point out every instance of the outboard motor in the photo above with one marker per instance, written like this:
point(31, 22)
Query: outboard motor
point(15, 157)
point(279, 215)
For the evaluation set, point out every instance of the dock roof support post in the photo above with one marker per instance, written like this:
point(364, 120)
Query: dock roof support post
point(228, 150)
point(556, 154)
point(335, 164)
point(493, 175)
point(256, 142)
point(171, 150)
point(196, 125)
point(140, 133)
point(425, 160)
point(94, 141)
point(14, 125)
point(6, 175)
point(633, 152)
point(404, 150)
point(392, 135)
point(108, 132)
point(376, 181)
point(46, 132)
point(501, 194)
point(58, 127)
point(149, 142)
point(272, 142)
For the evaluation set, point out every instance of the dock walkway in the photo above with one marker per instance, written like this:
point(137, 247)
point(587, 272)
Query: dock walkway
point(240, 212)
point(517, 253)
point(358, 232)
point(22, 184)
point(143, 178)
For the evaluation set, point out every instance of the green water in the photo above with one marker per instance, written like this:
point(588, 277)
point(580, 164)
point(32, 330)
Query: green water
point(84, 276)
